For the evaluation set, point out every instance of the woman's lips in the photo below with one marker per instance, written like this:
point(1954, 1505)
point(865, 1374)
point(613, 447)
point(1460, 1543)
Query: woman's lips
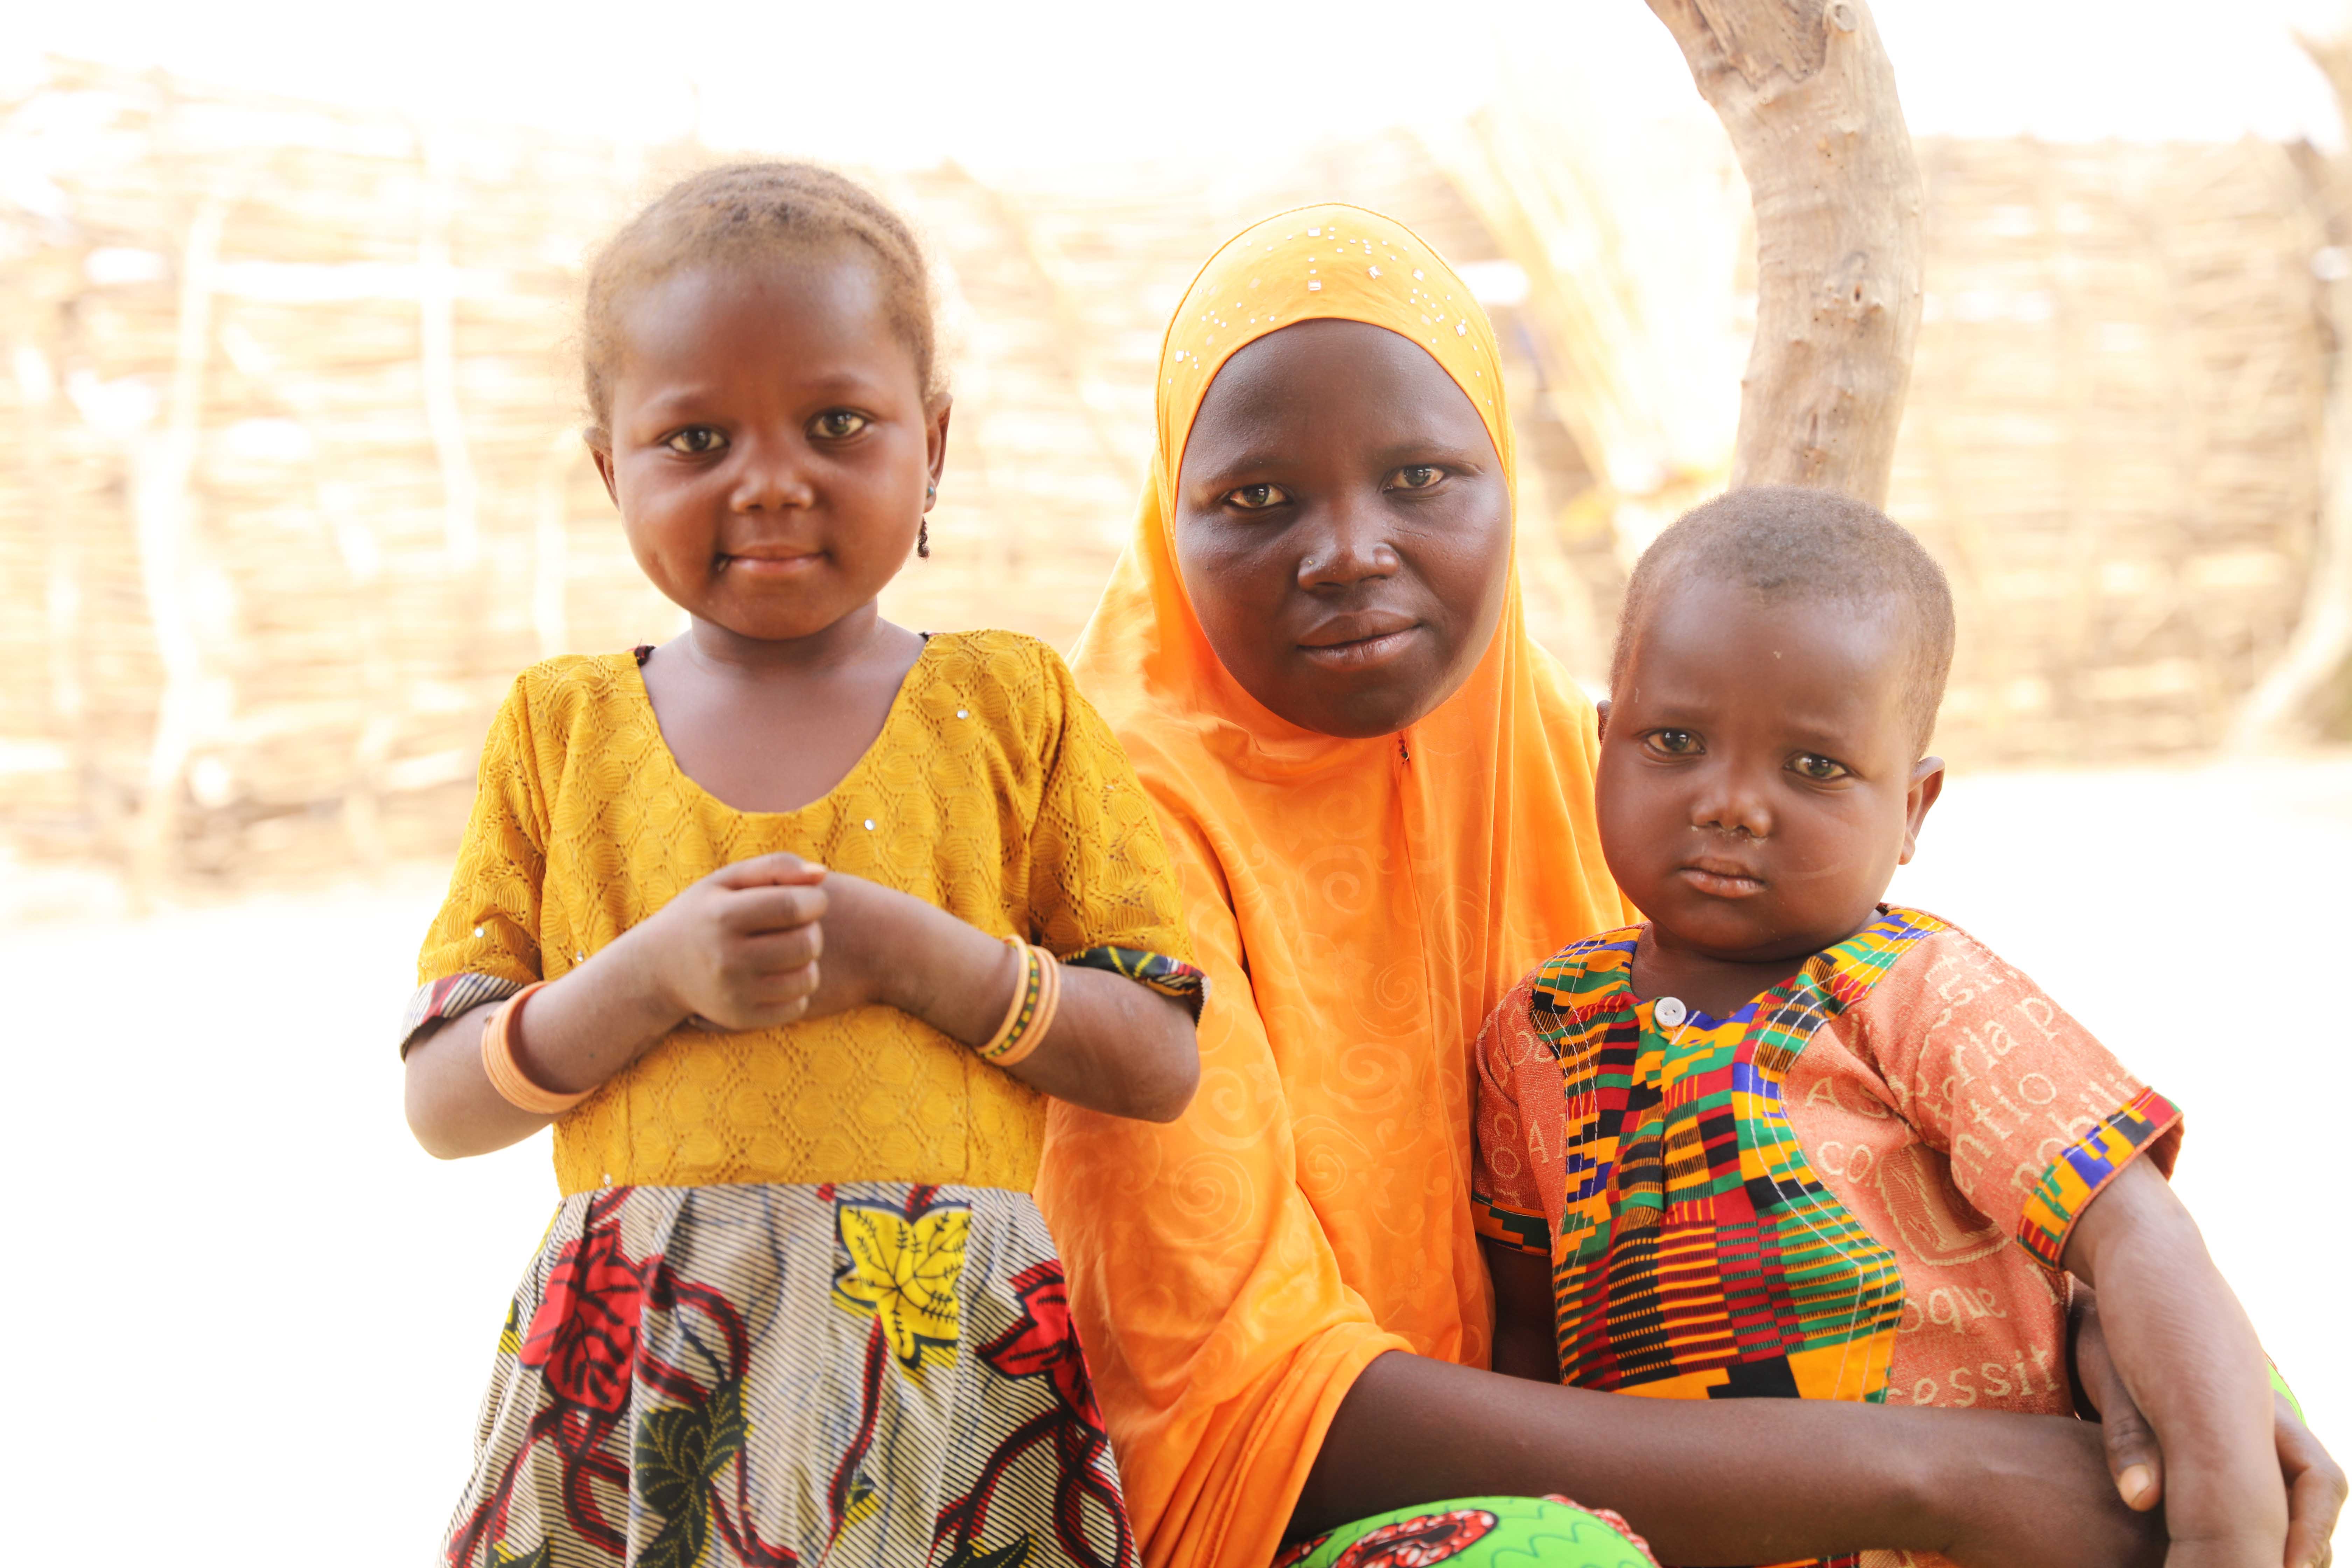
point(1722, 881)
point(1354, 642)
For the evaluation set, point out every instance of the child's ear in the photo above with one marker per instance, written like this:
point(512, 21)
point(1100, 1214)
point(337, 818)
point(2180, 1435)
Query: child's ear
point(934, 440)
point(1926, 786)
point(1601, 719)
point(600, 448)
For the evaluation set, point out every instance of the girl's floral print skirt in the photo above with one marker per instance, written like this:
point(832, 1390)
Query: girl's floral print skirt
point(871, 1372)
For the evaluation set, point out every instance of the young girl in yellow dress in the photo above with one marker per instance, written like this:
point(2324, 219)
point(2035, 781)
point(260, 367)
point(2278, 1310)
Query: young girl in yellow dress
point(790, 925)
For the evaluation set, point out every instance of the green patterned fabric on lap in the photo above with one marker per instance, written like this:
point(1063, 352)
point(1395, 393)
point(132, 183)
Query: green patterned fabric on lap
point(1478, 1532)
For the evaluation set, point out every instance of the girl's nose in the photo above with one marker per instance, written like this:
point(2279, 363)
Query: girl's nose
point(1352, 547)
point(770, 481)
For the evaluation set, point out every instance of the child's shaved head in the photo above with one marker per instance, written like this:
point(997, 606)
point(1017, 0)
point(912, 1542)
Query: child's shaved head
point(1785, 542)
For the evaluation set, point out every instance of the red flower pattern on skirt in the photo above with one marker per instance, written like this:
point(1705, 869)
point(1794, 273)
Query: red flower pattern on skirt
point(585, 1333)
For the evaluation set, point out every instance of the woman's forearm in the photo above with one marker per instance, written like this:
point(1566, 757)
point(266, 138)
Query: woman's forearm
point(1754, 1480)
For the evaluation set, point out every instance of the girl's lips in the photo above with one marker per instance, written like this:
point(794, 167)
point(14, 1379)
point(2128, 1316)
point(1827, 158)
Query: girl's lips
point(1721, 883)
point(1361, 653)
point(774, 565)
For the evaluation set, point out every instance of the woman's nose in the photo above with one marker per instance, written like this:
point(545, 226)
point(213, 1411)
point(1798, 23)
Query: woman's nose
point(1351, 547)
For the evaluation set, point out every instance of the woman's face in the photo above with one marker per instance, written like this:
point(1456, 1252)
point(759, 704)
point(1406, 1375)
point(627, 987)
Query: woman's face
point(1343, 526)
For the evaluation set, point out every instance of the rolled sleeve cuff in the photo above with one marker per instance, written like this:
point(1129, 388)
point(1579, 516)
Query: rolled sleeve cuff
point(2147, 1122)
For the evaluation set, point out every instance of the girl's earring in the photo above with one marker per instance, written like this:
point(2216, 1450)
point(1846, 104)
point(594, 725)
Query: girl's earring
point(923, 524)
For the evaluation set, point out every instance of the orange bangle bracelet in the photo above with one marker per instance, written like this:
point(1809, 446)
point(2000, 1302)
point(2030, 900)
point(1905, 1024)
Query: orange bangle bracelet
point(506, 1073)
point(1049, 999)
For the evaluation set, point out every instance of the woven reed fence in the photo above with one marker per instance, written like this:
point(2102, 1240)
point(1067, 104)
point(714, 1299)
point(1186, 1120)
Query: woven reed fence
point(291, 484)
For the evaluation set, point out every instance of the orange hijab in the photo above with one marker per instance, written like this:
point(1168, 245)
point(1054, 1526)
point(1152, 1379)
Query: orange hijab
point(1360, 905)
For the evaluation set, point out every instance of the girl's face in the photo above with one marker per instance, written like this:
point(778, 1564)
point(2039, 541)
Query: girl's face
point(1343, 526)
point(770, 445)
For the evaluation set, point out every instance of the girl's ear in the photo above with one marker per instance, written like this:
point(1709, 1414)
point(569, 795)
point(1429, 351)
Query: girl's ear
point(1601, 719)
point(1927, 787)
point(934, 440)
point(600, 449)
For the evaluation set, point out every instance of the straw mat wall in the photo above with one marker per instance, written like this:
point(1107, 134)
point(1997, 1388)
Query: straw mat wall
point(290, 487)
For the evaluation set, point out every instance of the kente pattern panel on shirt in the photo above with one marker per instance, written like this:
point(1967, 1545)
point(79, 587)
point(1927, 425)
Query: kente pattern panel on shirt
point(1698, 1248)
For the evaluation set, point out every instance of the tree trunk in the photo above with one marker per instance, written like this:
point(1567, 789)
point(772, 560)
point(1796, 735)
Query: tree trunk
point(1805, 90)
point(2279, 707)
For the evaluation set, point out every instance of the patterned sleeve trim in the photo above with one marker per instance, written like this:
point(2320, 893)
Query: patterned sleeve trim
point(1169, 976)
point(1529, 1233)
point(438, 1001)
point(2086, 1165)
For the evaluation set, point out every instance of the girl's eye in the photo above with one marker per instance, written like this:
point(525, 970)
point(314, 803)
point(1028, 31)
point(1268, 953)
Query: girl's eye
point(696, 441)
point(1419, 476)
point(1256, 498)
point(839, 424)
point(1676, 742)
point(1818, 769)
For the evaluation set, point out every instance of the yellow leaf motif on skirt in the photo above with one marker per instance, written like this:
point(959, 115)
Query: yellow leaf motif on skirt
point(902, 1273)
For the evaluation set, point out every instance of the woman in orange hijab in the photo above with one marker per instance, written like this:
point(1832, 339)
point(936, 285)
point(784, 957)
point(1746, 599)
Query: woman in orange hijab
point(1378, 793)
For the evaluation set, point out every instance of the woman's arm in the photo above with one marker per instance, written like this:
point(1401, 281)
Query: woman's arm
point(738, 949)
point(1751, 1480)
point(1114, 1045)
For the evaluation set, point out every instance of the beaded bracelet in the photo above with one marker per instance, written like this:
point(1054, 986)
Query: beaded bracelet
point(506, 1073)
point(1036, 993)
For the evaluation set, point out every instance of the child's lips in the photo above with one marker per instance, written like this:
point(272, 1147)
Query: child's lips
point(775, 563)
point(1721, 879)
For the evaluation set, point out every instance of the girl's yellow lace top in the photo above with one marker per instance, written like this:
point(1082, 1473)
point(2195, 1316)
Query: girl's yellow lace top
point(993, 792)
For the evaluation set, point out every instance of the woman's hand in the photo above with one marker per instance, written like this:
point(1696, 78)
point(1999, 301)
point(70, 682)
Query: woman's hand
point(2315, 1482)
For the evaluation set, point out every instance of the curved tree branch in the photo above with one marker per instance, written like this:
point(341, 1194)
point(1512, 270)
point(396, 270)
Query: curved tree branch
point(1806, 92)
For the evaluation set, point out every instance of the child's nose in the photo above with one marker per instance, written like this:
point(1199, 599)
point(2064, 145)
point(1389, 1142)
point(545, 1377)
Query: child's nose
point(1734, 803)
point(768, 480)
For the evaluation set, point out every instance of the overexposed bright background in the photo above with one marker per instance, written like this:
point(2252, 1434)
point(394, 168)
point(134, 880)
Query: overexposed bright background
point(254, 1318)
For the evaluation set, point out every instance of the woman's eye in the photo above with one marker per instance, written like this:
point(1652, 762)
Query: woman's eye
point(1676, 742)
point(1419, 476)
point(1256, 498)
point(839, 424)
point(1820, 770)
point(696, 441)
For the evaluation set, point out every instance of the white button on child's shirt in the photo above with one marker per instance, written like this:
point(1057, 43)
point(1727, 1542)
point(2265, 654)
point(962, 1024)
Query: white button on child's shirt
point(1670, 1011)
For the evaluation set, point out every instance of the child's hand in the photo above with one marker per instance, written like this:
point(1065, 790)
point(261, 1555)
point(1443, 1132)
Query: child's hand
point(739, 948)
point(873, 936)
point(2315, 1482)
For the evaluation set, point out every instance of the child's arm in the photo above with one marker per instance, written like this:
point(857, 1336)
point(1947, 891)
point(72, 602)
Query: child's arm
point(737, 949)
point(1527, 1341)
point(2315, 1482)
point(1114, 1046)
point(2190, 1361)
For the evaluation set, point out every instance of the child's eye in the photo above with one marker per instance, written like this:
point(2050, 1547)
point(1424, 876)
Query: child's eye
point(696, 441)
point(839, 424)
point(1676, 742)
point(1818, 769)
point(1256, 498)
point(1419, 476)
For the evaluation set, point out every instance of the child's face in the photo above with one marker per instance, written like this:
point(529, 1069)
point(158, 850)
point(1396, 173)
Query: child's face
point(1343, 526)
point(771, 443)
point(1757, 784)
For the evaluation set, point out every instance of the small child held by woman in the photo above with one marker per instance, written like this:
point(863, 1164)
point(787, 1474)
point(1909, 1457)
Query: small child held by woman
point(1787, 1140)
point(790, 925)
